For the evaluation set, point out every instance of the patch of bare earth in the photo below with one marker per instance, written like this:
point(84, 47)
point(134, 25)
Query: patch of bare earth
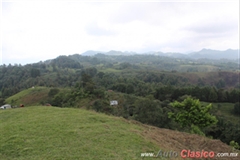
point(170, 140)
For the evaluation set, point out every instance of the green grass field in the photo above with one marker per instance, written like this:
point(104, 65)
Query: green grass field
point(31, 133)
point(40, 132)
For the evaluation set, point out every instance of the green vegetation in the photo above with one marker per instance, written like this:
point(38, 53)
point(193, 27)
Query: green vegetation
point(225, 110)
point(55, 133)
point(237, 108)
point(235, 145)
point(143, 85)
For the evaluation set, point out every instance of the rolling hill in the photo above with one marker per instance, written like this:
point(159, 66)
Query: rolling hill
point(40, 132)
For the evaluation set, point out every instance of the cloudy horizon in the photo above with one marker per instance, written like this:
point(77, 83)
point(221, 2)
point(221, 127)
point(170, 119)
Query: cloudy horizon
point(37, 31)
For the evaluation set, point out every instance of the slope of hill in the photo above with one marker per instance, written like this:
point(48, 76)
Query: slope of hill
point(30, 96)
point(65, 133)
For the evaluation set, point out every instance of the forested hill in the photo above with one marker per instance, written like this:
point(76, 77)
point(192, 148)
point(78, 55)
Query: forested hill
point(134, 71)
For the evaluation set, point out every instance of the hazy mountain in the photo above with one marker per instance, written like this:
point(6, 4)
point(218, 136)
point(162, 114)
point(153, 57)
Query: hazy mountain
point(215, 54)
point(112, 53)
point(202, 54)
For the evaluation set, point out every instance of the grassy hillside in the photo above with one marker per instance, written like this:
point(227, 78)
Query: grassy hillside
point(32, 96)
point(54, 133)
point(225, 110)
point(63, 133)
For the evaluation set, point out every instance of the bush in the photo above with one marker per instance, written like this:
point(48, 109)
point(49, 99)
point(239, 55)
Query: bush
point(236, 108)
point(102, 106)
point(2, 101)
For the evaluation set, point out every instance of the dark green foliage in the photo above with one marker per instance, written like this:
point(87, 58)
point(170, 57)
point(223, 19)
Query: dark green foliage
point(130, 110)
point(212, 96)
point(58, 100)
point(234, 96)
point(85, 78)
point(66, 62)
point(2, 101)
point(53, 92)
point(148, 111)
point(236, 109)
point(89, 87)
point(35, 72)
point(91, 71)
point(120, 87)
point(100, 75)
point(87, 84)
point(99, 92)
point(102, 106)
point(221, 95)
point(64, 99)
point(165, 92)
point(224, 130)
point(129, 89)
point(97, 106)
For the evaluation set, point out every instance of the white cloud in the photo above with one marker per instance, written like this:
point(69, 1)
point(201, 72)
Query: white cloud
point(34, 31)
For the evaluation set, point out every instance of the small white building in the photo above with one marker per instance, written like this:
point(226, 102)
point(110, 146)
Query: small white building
point(113, 103)
point(6, 106)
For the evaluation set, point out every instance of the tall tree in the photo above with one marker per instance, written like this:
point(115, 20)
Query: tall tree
point(212, 96)
point(87, 83)
point(236, 108)
point(148, 111)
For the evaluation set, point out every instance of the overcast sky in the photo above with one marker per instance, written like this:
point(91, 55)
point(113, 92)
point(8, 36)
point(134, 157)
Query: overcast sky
point(35, 31)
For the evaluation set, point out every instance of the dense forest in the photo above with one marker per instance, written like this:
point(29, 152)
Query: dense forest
point(145, 86)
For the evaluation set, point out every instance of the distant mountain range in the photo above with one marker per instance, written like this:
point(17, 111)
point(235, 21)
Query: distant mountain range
point(112, 52)
point(202, 54)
